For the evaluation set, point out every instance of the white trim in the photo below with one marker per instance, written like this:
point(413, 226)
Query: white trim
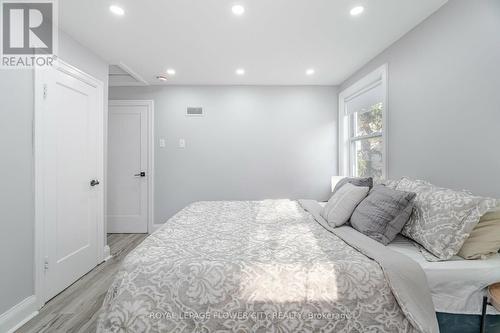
point(364, 137)
point(378, 76)
point(151, 151)
point(107, 253)
point(38, 184)
point(140, 80)
point(18, 315)
point(40, 249)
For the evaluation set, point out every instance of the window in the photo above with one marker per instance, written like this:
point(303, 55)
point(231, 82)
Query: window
point(362, 127)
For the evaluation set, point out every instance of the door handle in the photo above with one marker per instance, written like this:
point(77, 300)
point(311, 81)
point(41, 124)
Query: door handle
point(94, 182)
point(142, 174)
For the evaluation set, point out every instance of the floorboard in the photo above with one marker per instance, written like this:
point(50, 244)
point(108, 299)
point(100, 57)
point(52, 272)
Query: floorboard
point(75, 309)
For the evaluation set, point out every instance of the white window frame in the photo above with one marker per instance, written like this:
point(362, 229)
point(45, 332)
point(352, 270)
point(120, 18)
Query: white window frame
point(346, 153)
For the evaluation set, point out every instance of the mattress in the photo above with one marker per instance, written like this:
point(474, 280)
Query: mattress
point(457, 285)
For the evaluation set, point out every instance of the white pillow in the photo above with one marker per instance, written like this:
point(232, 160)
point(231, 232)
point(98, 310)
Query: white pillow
point(341, 205)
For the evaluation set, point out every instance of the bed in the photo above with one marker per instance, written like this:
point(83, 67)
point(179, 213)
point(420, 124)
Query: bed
point(265, 266)
point(458, 285)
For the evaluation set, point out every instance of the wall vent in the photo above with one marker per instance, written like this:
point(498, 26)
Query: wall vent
point(194, 112)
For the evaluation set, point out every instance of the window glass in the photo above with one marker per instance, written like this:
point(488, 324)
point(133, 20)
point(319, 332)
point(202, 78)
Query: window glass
point(368, 161)
point(368, 123)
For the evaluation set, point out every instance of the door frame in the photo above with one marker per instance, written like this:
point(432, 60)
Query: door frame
point(39, 96)
point(149, 104)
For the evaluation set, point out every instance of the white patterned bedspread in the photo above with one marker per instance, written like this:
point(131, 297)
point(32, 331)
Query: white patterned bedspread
point(263, 266)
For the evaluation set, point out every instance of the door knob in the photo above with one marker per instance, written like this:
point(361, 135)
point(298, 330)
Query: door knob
point(142, 174)
point(94, 182)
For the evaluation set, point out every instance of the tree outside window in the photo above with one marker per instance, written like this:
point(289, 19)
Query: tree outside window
point(367, 143)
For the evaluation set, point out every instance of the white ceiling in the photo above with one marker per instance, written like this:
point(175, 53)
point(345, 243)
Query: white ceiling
point(275, 40)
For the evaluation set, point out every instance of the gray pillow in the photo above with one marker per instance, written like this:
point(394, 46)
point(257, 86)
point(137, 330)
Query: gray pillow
point(339, 208)
point(383, 213)
point(361, 182)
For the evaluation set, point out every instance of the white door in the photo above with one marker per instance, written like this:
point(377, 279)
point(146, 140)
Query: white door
point(128, 139)
point(71, 121)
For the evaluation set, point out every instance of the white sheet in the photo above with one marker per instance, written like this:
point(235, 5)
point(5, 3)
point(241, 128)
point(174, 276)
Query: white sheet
point(457, 285)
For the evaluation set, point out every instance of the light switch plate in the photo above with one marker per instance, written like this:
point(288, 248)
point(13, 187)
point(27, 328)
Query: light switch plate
point(162, 142)
point(182, 143)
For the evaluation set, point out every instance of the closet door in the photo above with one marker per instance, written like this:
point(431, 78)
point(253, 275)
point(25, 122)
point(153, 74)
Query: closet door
point(128, 169)
point(71, 165)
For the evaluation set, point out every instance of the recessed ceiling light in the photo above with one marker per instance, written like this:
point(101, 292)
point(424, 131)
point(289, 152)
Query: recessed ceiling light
point(161, 78)
point(238, 10)
point(240, 71)
point(116, 10)
point(310, 71)
point(357, 10)
point(171, 71)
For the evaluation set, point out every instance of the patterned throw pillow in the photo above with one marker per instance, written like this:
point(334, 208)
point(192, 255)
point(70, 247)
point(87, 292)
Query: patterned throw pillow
point(390, 183)
point(442, 219)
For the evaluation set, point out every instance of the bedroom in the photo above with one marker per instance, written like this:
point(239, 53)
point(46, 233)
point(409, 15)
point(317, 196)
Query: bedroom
point(181, 166)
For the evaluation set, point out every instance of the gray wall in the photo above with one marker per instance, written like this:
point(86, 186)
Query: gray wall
point(16, 195)
point(16, 168)
point(253, 143)
point(444, 98)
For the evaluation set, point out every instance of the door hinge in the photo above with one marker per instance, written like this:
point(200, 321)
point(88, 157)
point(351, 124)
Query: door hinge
point(46, 263)
point(45, 91)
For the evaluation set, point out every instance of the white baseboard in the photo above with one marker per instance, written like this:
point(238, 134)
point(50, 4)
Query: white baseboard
point(18, 315)
point(107, 253)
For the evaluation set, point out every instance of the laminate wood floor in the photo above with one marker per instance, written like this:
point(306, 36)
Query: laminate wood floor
point(75, 308)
